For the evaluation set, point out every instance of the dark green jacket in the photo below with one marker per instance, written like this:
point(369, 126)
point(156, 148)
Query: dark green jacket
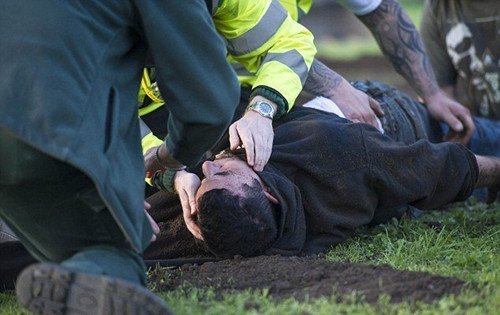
point(69, 77)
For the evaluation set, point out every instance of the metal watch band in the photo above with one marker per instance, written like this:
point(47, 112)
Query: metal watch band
point(263, 108)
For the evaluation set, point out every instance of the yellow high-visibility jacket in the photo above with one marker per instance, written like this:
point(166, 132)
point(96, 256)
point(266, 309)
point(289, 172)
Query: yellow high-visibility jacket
point(263, 38)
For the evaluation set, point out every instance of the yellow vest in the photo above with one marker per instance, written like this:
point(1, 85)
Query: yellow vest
point(270, 48)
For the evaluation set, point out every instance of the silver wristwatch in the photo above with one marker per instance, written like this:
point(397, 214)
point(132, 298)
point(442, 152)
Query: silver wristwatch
point(263, 108)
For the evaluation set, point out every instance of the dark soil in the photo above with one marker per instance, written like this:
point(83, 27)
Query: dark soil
point(313, 277)
point(285, 277)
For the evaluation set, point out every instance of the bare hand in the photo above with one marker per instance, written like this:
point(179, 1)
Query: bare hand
point(356, 105)
point(186, 184)
point(442, 108)
point(256, 134)
point(153, 164)
point(154, 225)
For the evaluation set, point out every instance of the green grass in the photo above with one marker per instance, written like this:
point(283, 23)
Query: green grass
point(466, 246)
point(348, 49)
point(355, 47)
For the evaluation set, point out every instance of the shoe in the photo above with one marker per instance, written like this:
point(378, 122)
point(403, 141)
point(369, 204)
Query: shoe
point(46, 288)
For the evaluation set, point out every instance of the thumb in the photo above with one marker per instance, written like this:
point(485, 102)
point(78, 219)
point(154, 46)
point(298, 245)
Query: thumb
point(455, 124)
point(194, 208)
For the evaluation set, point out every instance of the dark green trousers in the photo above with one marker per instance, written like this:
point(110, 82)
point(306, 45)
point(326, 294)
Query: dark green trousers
point(58, 215)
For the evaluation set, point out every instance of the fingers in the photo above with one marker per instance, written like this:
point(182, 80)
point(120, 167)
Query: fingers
point(256, 134)
point(469, 126)
point(154, 225)
point(193, 207)
point(185, 204)
point(234, 139)
point(239, 136)
point(461, 125)
point(375, 106)
point(191, 194)
point(263, 151)
point(372, 120)
point(249, 149)
point(457, 117)
point(149, 162)
point(191, 224)
point(189, 212)
point(455, 124)
point(359, 107)
point(369, 118)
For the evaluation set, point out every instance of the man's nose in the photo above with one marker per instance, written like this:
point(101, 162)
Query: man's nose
point(210, 168)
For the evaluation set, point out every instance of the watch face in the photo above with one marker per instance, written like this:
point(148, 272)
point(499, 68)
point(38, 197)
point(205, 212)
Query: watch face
point(263, 108)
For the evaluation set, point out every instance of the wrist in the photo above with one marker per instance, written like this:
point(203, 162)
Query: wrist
point(160, 161)
point(165, 180)
point(341, 89)
point(273, 96)
point(263, 107)
point(432, 94)
point(434, 99)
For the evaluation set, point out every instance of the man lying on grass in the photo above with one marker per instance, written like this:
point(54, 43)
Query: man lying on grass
point(326, 177)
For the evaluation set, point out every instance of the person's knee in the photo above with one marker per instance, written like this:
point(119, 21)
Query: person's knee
point(119, 262)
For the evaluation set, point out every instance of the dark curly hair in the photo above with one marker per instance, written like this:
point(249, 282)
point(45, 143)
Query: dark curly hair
point(237, 225)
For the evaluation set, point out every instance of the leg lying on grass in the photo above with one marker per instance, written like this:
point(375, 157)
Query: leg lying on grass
point(489, 176)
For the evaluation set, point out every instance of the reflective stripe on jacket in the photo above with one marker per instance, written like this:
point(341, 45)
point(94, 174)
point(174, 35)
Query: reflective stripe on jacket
point(266, 41)
point(261, 36)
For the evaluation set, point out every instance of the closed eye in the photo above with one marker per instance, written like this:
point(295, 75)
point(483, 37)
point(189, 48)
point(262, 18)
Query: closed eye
point(224, 173)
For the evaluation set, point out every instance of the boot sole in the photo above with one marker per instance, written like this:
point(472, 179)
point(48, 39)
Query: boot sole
point(52, 289)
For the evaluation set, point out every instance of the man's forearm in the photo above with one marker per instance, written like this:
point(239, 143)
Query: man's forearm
point(354, 104)
point(402, 44)
point(322, 81)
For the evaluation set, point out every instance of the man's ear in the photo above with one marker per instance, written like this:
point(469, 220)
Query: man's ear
point(271, 198)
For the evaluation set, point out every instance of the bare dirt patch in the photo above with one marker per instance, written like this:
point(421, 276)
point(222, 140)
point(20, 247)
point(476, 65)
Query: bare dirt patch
point(285, 277)
point(313, 277)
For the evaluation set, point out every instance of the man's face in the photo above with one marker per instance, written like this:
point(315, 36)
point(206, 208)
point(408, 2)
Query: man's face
point(228, 172)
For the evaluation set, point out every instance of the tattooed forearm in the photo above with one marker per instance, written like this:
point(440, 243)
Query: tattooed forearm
point(322, 80)
point(401, 43)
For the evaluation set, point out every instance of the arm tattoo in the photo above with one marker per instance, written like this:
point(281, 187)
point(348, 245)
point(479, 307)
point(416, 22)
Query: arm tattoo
point(401, 43)
point(322, 80)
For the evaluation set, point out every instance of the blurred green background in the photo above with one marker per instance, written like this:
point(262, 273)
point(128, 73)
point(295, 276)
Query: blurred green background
point(343, 36)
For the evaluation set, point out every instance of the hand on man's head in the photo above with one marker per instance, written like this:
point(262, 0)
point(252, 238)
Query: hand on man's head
point(186, 185)
point(254, 132)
